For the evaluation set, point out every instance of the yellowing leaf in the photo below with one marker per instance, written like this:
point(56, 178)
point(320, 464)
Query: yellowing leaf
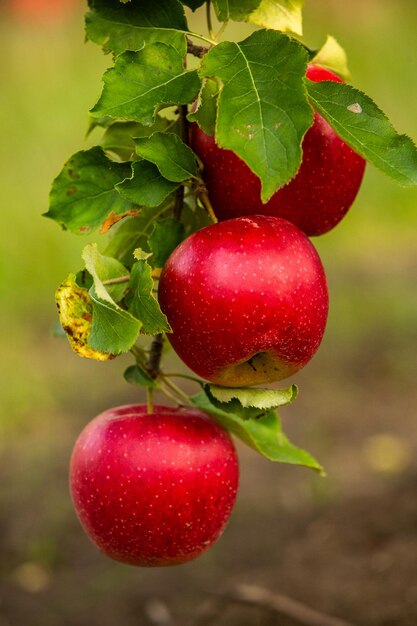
point(285, 15)
point(333, 57)
point(75, 314)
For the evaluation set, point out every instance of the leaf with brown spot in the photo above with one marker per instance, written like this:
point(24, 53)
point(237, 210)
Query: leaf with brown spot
point(83, 194)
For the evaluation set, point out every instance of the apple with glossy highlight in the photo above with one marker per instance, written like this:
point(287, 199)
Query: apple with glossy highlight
point(246, 299)
point(153, 489)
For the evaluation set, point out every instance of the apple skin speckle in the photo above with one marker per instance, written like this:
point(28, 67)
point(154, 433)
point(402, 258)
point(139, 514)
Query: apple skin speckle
point(315, 200)
point(247, 300)
point(153, 489)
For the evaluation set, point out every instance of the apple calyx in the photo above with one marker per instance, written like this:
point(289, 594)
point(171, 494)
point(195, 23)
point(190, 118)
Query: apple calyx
point(260, 368)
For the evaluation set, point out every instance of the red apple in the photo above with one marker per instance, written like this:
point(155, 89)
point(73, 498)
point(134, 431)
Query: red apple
point(315, 200)
point(246, 299)
point(153, 489)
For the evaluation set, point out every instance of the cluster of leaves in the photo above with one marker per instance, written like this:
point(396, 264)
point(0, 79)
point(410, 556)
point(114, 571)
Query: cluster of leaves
point(142, 184)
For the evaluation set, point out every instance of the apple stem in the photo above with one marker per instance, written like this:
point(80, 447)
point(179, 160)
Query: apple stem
point(163, 389)
point(205, 200)
point(180, 375)
point(176, 389)
point(149, 400)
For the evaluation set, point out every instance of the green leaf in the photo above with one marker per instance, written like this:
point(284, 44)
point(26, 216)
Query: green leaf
point(114, 330)
point(166, 236)
point(75, 311)
point(83, 194)
point(119, 27)
point(333, 57)
point(146, 187)
point(262, 110)
point(84, 279)
point(238, 10)
point(285, 15)
point(255, 397)
point(142, 303)
point(206, 110)
point(362, 125)
point(135, 375)
point(143, 82)
point(119, 136)
point(173, 158)
point(133, 233)
point(118, 139)
point(104, 268)
point(99, 122)
point(263, 433)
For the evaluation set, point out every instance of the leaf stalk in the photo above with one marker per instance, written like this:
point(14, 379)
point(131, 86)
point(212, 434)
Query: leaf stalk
point(209, 21)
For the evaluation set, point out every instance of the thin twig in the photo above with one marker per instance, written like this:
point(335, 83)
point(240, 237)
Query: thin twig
point(212, 42)
point(281, 604)
point(209, 612)
point(222, 29)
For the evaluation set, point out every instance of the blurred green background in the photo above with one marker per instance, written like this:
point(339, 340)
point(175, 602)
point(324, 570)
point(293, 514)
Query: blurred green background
point(356, 411)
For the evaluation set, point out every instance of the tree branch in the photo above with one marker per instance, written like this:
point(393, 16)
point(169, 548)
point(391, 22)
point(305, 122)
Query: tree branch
point(183, 128)
point(197, 51)
point(154, 361)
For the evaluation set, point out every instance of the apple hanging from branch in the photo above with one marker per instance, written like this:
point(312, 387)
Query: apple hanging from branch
point(315, 200)
point(246, 299)
point(153, 489)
